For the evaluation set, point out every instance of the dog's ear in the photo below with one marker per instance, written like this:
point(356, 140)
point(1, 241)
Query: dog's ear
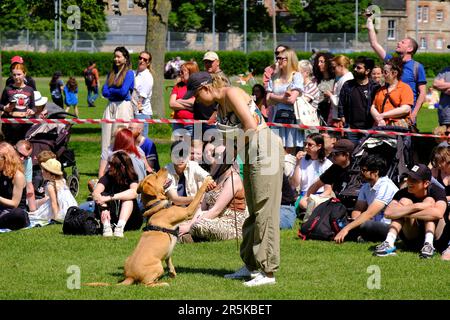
point(141, 185)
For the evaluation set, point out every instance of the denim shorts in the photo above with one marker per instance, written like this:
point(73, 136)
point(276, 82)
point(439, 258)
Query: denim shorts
point(444, 115)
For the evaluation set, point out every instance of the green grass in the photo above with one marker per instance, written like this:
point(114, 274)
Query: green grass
point(34, 262)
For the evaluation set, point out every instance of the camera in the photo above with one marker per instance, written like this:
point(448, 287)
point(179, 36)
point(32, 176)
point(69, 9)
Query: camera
point(368, 13)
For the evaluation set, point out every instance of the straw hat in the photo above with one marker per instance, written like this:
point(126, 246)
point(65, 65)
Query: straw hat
point(52, 166)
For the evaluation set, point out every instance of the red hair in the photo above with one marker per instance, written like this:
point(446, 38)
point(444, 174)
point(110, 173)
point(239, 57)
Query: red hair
point(124, 141)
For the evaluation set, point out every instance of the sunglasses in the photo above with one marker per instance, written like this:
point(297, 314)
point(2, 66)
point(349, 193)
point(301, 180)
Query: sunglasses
point(282, 58)
point(21, 155)
point(278, 52)
point(142, 58)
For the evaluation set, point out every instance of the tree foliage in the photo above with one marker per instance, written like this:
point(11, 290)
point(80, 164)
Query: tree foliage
point(38, 15)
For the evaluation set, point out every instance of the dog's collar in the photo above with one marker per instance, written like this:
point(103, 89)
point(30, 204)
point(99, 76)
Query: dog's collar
point(157, 203)
point(151, 227)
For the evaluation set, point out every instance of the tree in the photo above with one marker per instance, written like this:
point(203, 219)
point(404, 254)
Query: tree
point(38, 15)
point(155, 42)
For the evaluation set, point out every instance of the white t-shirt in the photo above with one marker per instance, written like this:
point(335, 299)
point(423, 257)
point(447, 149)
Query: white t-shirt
point(311, 171)
point(383, 190)
point(143, 86)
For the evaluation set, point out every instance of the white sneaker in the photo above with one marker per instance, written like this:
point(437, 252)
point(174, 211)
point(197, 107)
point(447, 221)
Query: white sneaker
point(118, 232)
point(107, 231)
point(260, 280)
point(242, 273)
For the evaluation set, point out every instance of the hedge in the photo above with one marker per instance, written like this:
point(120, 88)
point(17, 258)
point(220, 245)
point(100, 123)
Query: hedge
point(232, 62)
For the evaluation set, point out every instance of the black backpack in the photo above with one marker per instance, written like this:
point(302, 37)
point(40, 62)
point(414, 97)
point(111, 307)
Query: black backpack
point(80, 222)
point(88, 77)
point(325, 221)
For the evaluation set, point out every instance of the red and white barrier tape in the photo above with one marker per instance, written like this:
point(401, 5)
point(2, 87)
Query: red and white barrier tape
point(190, 121)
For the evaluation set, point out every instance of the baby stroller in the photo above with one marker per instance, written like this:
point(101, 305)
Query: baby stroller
point(55, 138)
point(397, 152)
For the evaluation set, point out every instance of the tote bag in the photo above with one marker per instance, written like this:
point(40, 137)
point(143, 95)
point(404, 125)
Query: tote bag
point(305, 113)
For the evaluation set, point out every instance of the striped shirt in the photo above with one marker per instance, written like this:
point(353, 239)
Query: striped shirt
point(312, 92)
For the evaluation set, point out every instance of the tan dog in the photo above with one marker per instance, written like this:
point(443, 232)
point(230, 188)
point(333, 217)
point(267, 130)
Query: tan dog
point(145, 264)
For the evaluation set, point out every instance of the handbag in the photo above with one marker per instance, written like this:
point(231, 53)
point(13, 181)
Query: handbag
point(305, 113)
point(285, 116)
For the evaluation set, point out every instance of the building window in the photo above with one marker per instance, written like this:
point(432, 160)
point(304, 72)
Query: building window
point(439, 15)
point(130, 4)
point(425, 14)
point(439, 43)
point(422, 13)
point(391, 30)
point(423, 43)
point(199, 38)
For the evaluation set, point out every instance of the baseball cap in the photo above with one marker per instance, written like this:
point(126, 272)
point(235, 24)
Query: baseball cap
point(17, 59)
point(343, 145)
point(197, 80)
point(419, 172)
point(211, 56)
point(39, 100)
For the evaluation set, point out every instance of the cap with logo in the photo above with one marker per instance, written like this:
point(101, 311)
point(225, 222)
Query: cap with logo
point(420, 172)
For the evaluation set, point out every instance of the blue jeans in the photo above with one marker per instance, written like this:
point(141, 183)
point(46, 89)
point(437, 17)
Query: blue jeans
point(287, 217)
point(92, 95)
point(143, 117)
point(188, 127)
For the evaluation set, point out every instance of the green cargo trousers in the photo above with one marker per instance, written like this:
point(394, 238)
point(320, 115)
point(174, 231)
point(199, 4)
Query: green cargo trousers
point(263, 176)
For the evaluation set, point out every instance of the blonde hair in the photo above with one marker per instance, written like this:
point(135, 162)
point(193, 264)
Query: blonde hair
point(292, 65)
point(306, 66)
point(11, 160)
point(343, 61)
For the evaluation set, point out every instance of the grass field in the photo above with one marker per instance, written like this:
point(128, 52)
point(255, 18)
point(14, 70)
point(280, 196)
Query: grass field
point(35, 262)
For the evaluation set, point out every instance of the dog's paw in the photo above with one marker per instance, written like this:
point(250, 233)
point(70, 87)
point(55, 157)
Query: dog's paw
point(172, 274)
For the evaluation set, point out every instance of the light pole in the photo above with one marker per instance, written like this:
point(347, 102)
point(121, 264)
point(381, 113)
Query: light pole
point(417, 20)
point(214, 24)
point(356, 24)
point(245, 26)
point(274, 25)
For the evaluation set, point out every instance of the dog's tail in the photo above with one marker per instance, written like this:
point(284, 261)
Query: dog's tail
point(126, 282)
point(97, 284)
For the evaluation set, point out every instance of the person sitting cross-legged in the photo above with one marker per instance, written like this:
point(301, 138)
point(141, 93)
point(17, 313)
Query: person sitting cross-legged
point(415, 211)
point(368, 218)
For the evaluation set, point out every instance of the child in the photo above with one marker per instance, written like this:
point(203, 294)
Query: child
point(56, 88)
point(71, 94)
point(57, 195)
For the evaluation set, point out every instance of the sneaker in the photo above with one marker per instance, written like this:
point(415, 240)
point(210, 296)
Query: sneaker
point(242, 273)
point(384, 249)
point(446, 254)
point(427, 251)
point(107, 231)
point(118, 232)
point(260, 280)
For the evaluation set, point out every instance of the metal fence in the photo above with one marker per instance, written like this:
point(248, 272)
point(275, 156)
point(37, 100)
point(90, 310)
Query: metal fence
point(178, 41)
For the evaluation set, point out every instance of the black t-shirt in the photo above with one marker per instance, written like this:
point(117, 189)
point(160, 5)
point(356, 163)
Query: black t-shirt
point(358, 112)
point(111, 186)
point(438, 194)
point(337, 176)
point(202, 112)
point(29, 81)
point(7, 188)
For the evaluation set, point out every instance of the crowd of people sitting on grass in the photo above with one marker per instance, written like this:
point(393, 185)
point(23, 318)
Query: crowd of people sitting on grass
point(310, 167)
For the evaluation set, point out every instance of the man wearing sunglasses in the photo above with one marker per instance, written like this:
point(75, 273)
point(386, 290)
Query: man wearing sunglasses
point(143, 87)
point(24, 149)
